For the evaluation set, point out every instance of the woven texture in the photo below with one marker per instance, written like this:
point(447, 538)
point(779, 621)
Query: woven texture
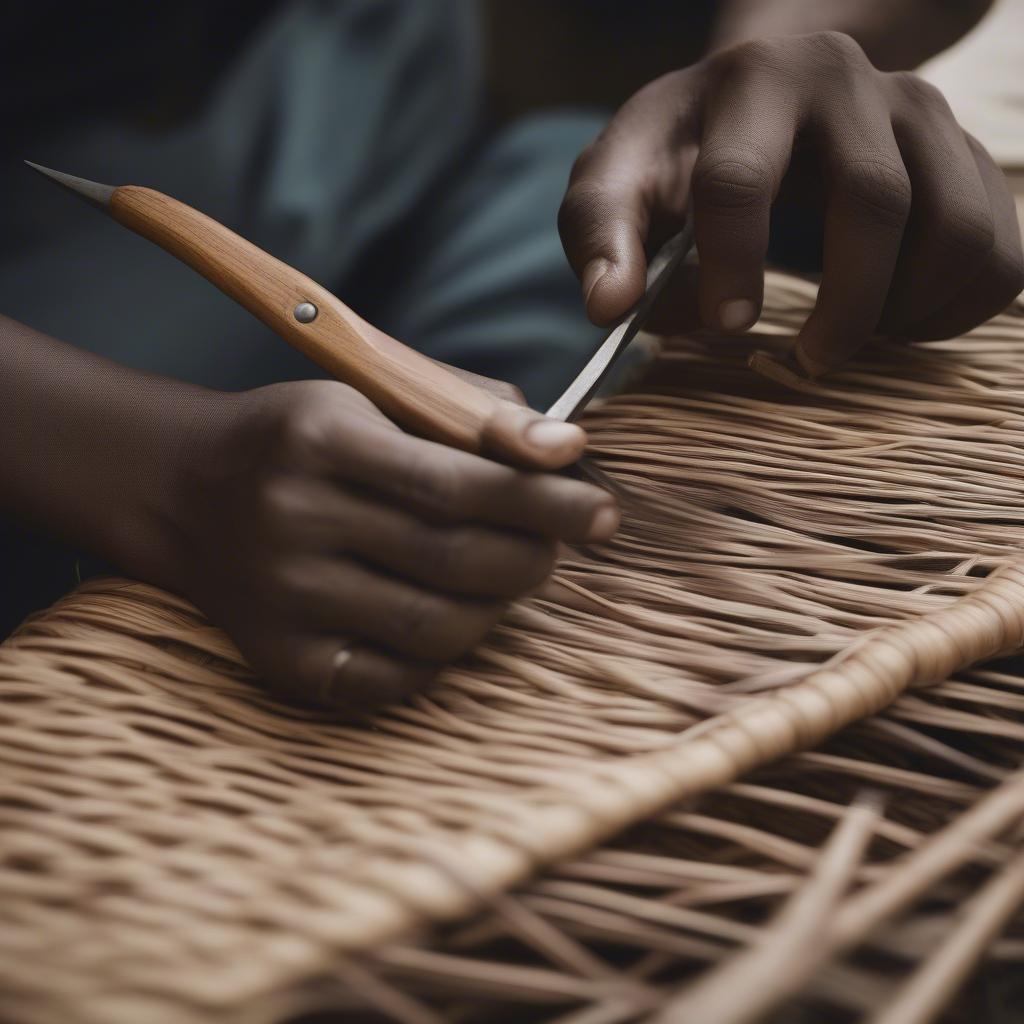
point(178, 847)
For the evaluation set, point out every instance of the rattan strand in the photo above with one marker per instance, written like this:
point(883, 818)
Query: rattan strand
point(178, 848)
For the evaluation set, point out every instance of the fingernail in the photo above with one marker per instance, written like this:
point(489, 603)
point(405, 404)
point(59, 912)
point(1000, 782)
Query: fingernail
point(604, 524)
point(736, 314)
point(592, 273)
point(550, 434)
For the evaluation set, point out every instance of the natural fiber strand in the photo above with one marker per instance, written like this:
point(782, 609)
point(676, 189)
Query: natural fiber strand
point(817, 554)
point(929, 989)
point(767, 970)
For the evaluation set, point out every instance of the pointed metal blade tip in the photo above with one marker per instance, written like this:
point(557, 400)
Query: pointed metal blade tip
point(92, 192)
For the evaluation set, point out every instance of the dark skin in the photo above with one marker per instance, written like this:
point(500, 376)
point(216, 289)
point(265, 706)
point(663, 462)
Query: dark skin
point(349, 560)
point(920, 230)
point(322, 520)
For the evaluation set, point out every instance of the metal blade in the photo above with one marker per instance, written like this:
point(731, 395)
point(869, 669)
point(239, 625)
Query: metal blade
point(587, 470)
point(91, 191)
point(575, 397)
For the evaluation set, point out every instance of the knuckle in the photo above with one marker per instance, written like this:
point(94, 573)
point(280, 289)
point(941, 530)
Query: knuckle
point(830, 52)
point(880, 188)
point(447, 555)
point(433, 481)
point(304, 433)
point(279, 500)
point(752, 53)
point(416, 617)
point(919, 92)
point(838, 48)
point(732, 180)
point(511, 393)
point(422, 624)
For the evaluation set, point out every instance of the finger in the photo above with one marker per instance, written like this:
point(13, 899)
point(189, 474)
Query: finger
point(344, 598)
point(335, 674)
point(613, 190)
point(603, 224)
point(950, 232)
point(867, 203)
point(471, 561)
point(517, 434)
point(745, 150)
point(455, 486)
point(467, 561)
point(1000, 280)
point(523, 437)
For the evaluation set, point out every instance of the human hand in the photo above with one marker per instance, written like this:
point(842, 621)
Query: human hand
point(348, 560)
point(920, 231)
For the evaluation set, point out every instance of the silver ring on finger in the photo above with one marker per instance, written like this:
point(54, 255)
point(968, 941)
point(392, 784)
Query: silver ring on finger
point(333, 677)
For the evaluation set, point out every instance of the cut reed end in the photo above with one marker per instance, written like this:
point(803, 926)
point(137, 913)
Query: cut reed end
point(785, 373)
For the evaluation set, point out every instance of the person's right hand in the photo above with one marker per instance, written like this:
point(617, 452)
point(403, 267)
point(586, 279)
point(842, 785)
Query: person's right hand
point(349, 560)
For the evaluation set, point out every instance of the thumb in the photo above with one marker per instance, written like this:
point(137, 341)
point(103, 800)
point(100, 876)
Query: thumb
point(603, 225)
point(527, 438)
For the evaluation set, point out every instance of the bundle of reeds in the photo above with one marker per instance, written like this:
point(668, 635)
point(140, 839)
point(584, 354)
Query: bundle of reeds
point(734, 766)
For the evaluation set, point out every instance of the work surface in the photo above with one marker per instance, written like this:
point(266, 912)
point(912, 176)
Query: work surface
point(582, 815)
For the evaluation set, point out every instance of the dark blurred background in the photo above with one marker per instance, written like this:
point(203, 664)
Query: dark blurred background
point(157, 62)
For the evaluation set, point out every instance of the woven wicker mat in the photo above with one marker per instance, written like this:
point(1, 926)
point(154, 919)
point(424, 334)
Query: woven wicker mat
point(175, 846)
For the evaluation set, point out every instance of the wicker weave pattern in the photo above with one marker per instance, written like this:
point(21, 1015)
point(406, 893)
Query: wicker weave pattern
point(163, 821)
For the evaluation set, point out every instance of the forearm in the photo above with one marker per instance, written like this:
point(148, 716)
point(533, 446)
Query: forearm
point(895, 34)
point(89, 449)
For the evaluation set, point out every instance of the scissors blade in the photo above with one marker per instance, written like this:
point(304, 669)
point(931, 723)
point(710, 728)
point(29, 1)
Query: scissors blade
point(575, 397)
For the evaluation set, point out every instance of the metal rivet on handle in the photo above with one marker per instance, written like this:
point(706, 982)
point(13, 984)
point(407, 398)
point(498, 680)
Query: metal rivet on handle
point(305, 312)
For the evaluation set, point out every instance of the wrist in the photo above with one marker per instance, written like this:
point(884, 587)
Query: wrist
point(97, 455)
point(152, 529)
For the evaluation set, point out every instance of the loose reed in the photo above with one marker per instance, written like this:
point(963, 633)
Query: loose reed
point(816, 553)
point(785, 948)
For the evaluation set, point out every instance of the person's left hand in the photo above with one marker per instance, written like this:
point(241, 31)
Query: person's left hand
point(920, 231)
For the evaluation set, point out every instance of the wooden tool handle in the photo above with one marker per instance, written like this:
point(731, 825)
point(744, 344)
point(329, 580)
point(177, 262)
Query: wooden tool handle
point(416, 392)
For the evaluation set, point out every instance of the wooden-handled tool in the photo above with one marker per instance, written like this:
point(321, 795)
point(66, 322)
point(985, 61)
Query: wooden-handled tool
point(419, 394)
point(416, 392)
